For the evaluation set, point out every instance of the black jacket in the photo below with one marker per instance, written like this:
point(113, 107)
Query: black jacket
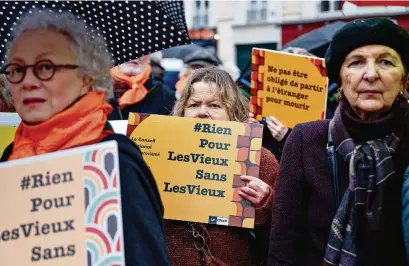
point(142, 208)
point(159, 100)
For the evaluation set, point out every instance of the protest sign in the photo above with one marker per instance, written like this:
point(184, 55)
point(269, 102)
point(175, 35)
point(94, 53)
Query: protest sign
point(293, 88)
point(43, 198)
point(6, 137)
point(8, 127)
point(197, 165)
point(10, 121)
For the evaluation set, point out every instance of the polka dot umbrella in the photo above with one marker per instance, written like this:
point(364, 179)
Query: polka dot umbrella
point(131, 29)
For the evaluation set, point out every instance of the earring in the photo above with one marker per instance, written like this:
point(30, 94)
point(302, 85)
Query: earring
point(340, 94)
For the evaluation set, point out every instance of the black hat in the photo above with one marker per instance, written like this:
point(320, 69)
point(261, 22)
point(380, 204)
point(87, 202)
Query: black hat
point(202, 58)
point(363, 32)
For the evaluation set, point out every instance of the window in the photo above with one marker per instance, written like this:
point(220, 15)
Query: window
point(337, 5)
point(257, 11)
point(201, 16)
point(324, 5)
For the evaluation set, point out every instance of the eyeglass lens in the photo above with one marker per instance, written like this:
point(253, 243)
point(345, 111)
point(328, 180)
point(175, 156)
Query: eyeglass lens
point(43, 70)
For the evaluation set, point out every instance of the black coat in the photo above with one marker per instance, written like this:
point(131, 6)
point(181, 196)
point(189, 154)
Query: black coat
point(304, 205)
point(142, 209)
point(159, 100)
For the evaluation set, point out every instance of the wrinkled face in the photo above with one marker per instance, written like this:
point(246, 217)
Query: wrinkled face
point(36, 100)
point(134, 67)
point(372, 76)
point(205, 103)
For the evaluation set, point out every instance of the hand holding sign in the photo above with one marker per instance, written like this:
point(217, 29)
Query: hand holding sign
point(199, 167)
point(257, 192)
point(292, 88)
point(251, 119)
point(277, 129)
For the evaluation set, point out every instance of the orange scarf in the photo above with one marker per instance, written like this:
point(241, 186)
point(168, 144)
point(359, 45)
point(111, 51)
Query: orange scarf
point(81, 124)
point(137, 91)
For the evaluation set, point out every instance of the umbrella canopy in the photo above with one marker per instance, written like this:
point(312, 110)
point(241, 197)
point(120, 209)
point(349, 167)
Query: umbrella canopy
point(316, 41)
point(182, 51)
point(131, 29)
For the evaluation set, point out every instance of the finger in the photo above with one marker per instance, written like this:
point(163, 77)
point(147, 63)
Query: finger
point(271, 124)
point(252, 200)
point(260, 182)
point(258, 185)
point(274, 132)
point(250, 192)
point(249, 198)
point(247, 178)
point(276, 121)
point(255, 186)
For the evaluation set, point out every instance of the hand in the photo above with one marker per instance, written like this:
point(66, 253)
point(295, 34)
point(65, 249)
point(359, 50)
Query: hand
point(251, 119)
point(277, 129)
point(256, 192)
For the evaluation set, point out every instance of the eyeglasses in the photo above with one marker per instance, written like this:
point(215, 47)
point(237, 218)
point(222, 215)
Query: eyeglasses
point(44, 70)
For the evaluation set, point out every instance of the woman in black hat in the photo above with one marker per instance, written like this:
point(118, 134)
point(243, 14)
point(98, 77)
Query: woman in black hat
point(338, 194)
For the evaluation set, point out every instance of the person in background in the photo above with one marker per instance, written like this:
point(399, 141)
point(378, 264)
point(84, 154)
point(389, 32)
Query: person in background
point(275, 132)
point(136, 90)
point(6, 105)
point(61, 98)
point(338, 194)
point(158, 71)
point(196, 60)
point(211, 93)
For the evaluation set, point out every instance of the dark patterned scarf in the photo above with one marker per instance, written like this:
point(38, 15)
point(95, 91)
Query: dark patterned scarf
point(360, 210)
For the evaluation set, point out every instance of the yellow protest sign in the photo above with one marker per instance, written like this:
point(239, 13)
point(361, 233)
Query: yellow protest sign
point(293, 88)
point(8, 126)
point(197, 165)
point(43, 199)
point(7, 136)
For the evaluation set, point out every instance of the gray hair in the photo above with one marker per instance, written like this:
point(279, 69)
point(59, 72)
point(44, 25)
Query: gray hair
point(89, 48)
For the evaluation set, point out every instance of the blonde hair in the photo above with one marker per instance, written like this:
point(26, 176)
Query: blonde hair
point(237, 105)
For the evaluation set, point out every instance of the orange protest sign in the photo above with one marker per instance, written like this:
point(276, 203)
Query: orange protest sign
point(197, 165)
point(45, 197)
point(293, 88)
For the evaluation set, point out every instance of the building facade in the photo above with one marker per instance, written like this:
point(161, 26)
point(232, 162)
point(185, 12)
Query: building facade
point(234, 27)
point(323, 12)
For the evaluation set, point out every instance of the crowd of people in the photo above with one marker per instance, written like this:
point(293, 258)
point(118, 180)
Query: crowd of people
point(328, 192)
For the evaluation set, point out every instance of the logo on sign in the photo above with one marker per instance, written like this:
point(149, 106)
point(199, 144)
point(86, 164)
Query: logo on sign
point(218, 220)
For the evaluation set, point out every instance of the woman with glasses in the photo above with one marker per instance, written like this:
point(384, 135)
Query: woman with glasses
point(58, 79)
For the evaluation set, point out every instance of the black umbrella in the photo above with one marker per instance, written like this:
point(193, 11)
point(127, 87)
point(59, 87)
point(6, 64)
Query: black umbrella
point(182, 51)
point(131, 29)
point(316, 41)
